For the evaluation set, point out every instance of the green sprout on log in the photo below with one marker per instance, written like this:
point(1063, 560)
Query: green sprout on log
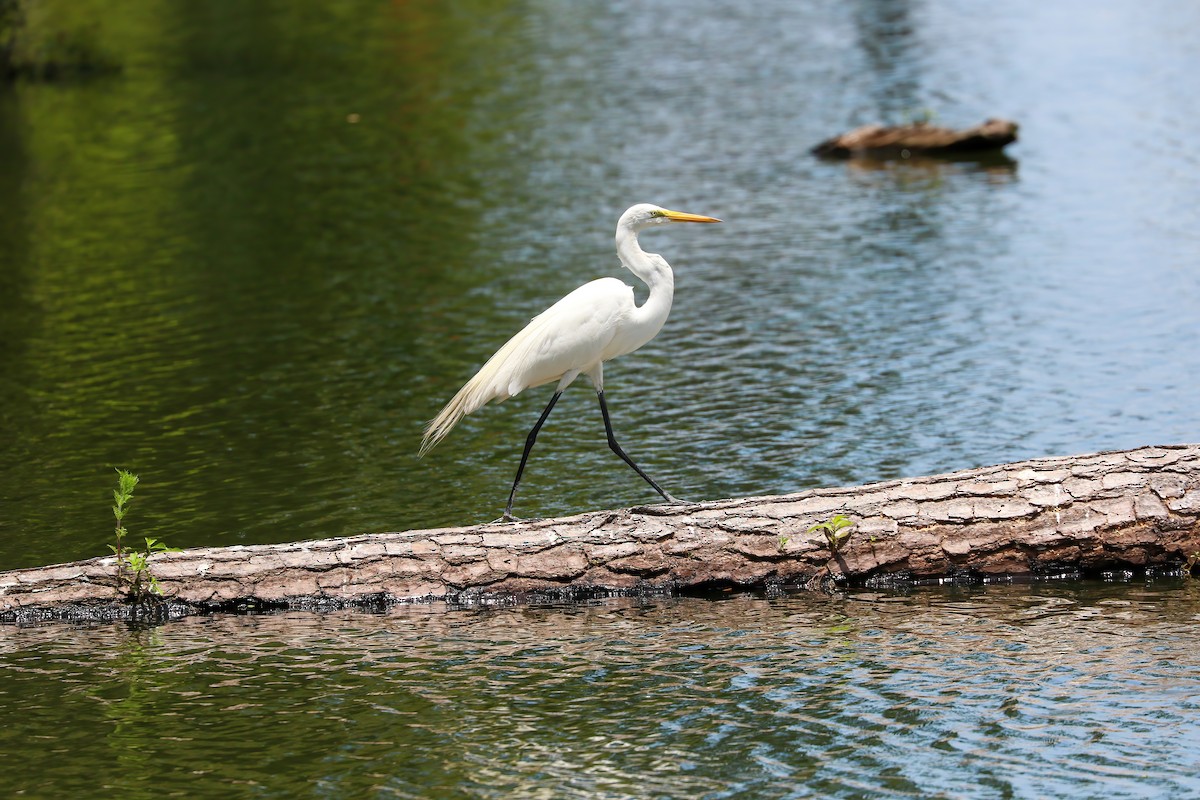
point(122, 495)
point(921, 116)
point(837, 530)
point(134, 561)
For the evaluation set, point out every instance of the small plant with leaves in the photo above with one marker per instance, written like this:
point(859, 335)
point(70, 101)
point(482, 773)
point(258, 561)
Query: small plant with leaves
point(134, 561)
point(122, 495)
point(138, 562)
point(1190, 564)
point(837, 530)
point(922, 116)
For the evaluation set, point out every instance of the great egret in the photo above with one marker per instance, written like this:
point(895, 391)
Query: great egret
point(593, 324)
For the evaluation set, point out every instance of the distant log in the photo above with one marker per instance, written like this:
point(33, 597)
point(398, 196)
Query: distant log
point(1128, 510)
point(918, 139)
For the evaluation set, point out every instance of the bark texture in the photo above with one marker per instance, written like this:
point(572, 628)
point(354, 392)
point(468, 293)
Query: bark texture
point(1107, 511)
point(916, 139)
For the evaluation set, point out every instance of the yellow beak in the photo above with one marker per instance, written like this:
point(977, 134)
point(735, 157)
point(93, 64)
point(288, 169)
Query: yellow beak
point(679, 216)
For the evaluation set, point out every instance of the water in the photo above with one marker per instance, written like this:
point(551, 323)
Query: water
point(253, 264)
point(1050, 691)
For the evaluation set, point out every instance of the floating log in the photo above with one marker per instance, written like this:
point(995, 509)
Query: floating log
point(919, 138)
point(1127, 510)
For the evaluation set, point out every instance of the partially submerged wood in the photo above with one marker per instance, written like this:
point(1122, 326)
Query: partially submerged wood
point(1133, 509)
point(919, 138)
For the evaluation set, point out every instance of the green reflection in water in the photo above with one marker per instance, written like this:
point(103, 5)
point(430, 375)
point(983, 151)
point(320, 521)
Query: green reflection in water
point(252, 264)
point(215, 265)
point(1051, 690)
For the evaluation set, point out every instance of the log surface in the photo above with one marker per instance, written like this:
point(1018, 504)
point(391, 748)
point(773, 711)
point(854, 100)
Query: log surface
point(917, 139)
point(1116, 510)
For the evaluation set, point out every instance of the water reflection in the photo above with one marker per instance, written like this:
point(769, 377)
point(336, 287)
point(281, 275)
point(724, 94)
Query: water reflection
point(213, 277)
point(888, 37)
point(1062, 691)
point(926, 172)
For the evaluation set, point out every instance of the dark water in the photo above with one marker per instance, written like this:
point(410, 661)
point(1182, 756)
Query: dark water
point(213, 277)
point(1052, 691)
point(251, 265)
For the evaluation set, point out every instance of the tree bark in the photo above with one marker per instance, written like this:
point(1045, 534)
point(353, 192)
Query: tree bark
point(918, 139)
point(1128, 510)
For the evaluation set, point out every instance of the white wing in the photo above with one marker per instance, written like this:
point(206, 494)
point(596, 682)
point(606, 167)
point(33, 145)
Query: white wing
point(563, 341)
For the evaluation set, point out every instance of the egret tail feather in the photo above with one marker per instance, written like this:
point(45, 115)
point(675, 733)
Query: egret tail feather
point(494, 381)
point(510, 371)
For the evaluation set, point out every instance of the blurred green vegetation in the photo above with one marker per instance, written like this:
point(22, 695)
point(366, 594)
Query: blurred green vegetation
point(48, 41)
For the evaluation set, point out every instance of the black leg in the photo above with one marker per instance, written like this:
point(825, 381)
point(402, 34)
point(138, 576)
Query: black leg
point(529, 440)
point(616, 448)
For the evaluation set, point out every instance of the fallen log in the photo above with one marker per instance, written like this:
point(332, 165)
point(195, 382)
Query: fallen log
point(1126, 510)
point(918, 138)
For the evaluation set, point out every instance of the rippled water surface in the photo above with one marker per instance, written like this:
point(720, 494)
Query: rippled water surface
point(250, 266)
point(1049, 691)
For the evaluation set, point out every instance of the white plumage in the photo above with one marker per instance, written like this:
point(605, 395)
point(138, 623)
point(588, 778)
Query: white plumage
point(593, 324)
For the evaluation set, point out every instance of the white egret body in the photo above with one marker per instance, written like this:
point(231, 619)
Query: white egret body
point(593, 324)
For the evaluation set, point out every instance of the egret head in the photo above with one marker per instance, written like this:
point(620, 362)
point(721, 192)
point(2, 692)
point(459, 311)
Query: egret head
point(644, 215)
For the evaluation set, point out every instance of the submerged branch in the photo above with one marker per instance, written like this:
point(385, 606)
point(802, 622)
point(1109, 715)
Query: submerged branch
point(919, 138)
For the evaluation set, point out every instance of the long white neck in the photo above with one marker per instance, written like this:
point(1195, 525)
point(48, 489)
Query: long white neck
point(654, 271)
